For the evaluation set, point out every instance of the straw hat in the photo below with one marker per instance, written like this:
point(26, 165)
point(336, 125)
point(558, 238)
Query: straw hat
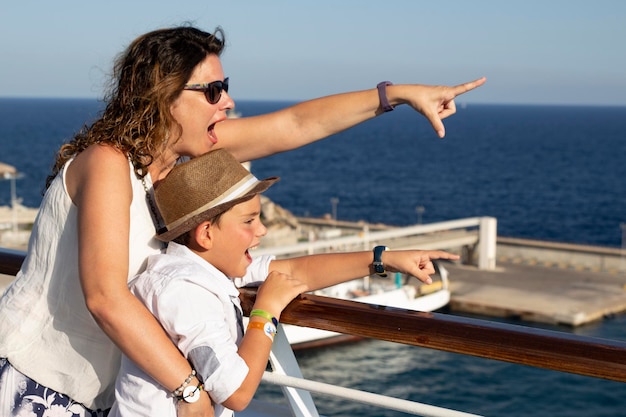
point(202, 188)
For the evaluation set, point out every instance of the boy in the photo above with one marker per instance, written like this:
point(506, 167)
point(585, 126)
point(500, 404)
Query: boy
point(211, 207)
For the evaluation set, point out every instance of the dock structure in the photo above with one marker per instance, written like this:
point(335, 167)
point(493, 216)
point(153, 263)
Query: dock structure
point(533, 281)
point(537, 293)
point(15, 224)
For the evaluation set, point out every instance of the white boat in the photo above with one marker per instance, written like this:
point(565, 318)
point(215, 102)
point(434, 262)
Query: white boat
point(233, 114)
point(398, 292)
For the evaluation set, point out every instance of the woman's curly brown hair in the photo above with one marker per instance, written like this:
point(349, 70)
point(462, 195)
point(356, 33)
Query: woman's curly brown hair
point(147, 78)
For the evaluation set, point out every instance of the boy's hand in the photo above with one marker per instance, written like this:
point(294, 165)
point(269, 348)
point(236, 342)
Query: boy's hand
point(415, 262)
point(277, 291)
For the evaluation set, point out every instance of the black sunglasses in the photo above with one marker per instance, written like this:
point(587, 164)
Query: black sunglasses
point(212, 91)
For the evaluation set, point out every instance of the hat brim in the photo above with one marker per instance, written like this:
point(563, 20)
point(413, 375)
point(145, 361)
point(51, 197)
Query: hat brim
point(168, 235)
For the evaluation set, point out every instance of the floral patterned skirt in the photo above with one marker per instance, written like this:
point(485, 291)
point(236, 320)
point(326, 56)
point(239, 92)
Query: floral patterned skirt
point(20, 396)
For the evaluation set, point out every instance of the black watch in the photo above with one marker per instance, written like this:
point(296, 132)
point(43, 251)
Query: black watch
point(379, 268)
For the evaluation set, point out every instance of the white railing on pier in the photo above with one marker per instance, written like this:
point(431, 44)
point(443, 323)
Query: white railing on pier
point(484, 239)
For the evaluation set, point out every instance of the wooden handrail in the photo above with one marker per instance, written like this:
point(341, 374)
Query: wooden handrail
point(11, 261)
point(600, 358)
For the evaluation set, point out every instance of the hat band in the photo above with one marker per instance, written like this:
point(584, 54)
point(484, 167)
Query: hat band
point(239, 189)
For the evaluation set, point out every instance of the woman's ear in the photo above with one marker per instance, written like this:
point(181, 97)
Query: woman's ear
point(203, 235)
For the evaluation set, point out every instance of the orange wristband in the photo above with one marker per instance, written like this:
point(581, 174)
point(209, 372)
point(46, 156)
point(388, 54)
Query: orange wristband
point(268, 328)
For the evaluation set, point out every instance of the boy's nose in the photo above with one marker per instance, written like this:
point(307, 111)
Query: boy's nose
point(262, 230)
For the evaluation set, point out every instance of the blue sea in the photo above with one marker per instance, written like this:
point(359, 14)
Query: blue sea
point(553, 173)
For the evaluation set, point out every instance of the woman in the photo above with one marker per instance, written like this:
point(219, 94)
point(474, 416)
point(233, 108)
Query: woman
point(69, 310)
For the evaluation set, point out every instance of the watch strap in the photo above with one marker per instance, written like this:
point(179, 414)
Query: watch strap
point(379, 267)
point(267, 316)
point(382, 96)
point(267, 328)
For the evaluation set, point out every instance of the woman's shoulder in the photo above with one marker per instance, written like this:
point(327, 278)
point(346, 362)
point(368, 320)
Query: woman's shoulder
point(98, 167)
point(98, 156)
point(103, 153)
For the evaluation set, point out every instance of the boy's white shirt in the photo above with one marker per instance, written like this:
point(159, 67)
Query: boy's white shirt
point(195, 303)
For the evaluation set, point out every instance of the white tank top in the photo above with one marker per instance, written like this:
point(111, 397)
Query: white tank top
point(46, 331)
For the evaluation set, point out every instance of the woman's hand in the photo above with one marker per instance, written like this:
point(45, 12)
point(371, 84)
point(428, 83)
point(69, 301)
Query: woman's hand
point(434, 102)
point(201, 408)
point(415, 262)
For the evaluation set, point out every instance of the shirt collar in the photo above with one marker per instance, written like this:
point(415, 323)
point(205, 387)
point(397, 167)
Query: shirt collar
point(214, 277)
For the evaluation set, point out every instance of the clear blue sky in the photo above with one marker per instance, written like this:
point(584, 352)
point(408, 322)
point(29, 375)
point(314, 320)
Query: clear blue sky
point(532, 51)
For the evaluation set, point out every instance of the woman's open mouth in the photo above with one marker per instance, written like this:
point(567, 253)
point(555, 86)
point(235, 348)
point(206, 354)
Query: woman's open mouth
point(212, 135)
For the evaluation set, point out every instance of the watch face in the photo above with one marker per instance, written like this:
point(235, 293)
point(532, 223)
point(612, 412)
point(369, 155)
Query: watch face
point(270, 330)
point(191, 394)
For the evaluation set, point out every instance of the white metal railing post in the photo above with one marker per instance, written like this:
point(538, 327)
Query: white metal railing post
point(622, 265)
point(283, 362)
point(366, 237)
point(487, 237)
point(311, 240)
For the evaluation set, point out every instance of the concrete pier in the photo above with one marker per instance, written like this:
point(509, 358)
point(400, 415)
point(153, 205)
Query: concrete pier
point(537, 293)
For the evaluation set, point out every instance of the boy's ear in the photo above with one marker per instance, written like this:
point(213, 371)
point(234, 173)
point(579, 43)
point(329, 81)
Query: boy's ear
point(203, 234)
